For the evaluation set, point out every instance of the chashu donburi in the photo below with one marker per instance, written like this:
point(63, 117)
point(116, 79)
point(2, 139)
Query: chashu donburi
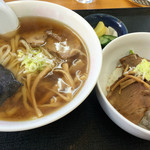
point(130, 93)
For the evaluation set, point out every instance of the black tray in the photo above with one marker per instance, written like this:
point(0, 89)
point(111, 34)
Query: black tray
point(87, 127)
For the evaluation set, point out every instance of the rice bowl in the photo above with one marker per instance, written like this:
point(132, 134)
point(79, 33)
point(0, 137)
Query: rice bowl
point(117, 49)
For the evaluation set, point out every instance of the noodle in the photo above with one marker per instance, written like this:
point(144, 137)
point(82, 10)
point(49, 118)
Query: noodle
point(56, 104)
point(127, 77)
point(29, 77)
point(4, 53)
point(5, 62)
point(13, 64)
point(65, 98)
point(78, 51)
point(17, 37)
point(38, 112)
point(126, 69)
point(16, 71)
point(66, 74)
point(125, 84)
point(24, 92)
point(25, 44)
point(17, 96)
point(139, 80)
point(12, 111)
point(12, 43)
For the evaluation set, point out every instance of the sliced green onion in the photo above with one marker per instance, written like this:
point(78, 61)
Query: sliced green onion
point(131, 52)
point(34, 60)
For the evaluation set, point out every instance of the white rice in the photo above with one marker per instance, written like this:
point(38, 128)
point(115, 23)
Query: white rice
point(145, 122)
point(114, 77)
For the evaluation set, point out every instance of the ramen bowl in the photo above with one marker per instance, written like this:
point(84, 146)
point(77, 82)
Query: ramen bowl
point(112, 53)
point(87, 34)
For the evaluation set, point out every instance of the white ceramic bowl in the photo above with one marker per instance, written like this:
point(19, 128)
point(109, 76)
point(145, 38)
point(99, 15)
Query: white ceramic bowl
point(139, 43)
point(77, 23)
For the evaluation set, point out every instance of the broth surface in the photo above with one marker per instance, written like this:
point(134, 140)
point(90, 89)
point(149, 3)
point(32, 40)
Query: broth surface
point(41, 96)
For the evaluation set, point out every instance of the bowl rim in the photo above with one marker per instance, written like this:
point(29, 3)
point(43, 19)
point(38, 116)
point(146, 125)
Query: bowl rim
point(100, 91)
point(46, 120)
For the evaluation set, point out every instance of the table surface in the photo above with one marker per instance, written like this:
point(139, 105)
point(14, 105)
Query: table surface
point(87, 127)
point(97, 4)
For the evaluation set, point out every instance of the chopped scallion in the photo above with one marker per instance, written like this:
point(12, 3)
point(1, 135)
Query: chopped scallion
point(131, 52)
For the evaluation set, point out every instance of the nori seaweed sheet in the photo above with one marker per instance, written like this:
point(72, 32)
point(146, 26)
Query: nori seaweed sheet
point(8, 84)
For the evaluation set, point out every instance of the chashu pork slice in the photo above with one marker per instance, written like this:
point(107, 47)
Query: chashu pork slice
point(132, 102)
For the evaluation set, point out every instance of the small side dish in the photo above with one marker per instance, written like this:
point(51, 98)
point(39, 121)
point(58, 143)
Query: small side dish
point(107, 27)
point(105, 34)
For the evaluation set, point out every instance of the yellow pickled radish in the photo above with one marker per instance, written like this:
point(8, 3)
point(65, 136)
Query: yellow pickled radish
point(100, 29)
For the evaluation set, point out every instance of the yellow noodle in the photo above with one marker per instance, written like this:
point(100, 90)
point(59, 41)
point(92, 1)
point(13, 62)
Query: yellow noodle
point(6, 52)
point(56, 104)
point(44, 72)
point(17, 69)
point(83, 77)
point(78, 65)
point(14, 70)
point(24, 93)
point(47, 53)
point(66, 68)
point(125, 84)
point(77, 51)
point(29, 97)
point(13, 64)
point(12, 111)
point(22, 48)
point(20, 76)
point(66, 74)
point(118, 83)
point(29, 77)
point(13, 56)
point(68, 98)
point(1, 49)
point(17, 96)
point(12, 42)
point(25, 44)
point(5, 62)
point(139, 80)
point(130, 73)
point(126, 69)
point(17, 37)
point(80, 77)
point(127, 77)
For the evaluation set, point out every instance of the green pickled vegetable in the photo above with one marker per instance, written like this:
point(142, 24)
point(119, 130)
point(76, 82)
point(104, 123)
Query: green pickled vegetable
point(105, 39)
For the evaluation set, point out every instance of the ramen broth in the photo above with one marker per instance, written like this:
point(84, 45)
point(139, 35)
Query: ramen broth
point(45, 90)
